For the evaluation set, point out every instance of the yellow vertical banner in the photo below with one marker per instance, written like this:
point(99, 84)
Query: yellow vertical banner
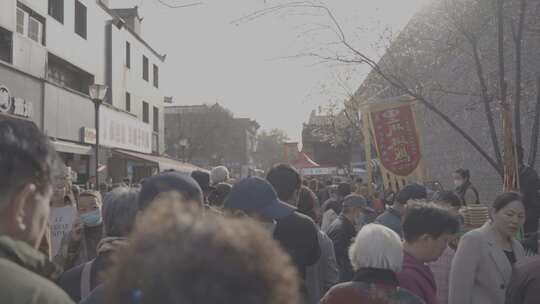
point(390, 125)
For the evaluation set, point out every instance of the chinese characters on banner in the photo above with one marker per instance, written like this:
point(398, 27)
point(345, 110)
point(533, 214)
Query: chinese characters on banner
point(397, 139)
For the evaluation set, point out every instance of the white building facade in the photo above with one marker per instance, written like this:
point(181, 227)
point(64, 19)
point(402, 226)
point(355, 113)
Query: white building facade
point(51, 51)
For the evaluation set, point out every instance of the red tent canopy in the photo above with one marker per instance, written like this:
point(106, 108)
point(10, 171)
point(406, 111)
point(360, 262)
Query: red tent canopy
point(303, 162)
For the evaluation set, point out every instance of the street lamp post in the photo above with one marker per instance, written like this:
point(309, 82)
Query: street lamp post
point(97, 94)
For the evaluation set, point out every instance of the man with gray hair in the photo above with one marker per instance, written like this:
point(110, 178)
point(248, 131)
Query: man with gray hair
point(219, 174)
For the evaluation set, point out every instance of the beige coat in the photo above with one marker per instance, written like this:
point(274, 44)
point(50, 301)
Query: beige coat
point(480, 270)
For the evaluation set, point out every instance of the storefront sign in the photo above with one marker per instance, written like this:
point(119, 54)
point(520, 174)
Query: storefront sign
point(397, 139)
point(88, 135)
point(120, 130)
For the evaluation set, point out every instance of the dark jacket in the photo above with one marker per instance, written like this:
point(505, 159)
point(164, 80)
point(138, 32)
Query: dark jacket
point(525, 285)
point(342, 233)
point(97, 296)
point(418, 279)
point(73, 253)
point(391, 218)
point(23, 272)
point(370, 286)
point(468, 194)
point(298, 235)
point(529, 184)
point(72, 280)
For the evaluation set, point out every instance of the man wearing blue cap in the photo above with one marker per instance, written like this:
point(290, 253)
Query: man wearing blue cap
point(297, 233)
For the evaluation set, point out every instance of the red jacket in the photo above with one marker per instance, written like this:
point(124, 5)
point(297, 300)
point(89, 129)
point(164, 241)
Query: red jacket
point(418, 279)
point(370, 286)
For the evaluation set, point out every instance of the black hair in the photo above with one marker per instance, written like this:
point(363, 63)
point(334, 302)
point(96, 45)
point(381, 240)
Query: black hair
point(506, 198)
point(430, 219)
point(359, 180)
point(26, 156)
point(448, 197)
point(344, 189)
point(411, 192)
point(285, 180)
point(464, 173)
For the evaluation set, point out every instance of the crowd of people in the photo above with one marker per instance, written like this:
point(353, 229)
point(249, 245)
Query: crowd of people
point(282, 239)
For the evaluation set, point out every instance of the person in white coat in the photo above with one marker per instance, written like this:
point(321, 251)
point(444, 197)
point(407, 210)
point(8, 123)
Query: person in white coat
point(482, 266)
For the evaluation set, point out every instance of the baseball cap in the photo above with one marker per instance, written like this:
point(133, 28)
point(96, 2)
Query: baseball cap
point(411, 192)
point(169, 181)
point(255, 195)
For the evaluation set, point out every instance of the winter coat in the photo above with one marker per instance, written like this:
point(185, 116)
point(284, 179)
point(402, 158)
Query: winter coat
point(525, 285)
point(79, 281)
point(529, 185)
point(417, 277)
point(391, 218)
point(73, 253)
point(342, 233)
point(23, 272)
point(468, 194)
point(324, 274)
point(371, 286)
point(480, 270)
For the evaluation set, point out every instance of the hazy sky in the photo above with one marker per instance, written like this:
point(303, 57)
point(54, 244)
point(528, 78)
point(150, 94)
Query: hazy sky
point(212, 59)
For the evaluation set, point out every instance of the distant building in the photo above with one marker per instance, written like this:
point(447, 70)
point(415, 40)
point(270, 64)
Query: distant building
point(317, 144)
point(209, 135)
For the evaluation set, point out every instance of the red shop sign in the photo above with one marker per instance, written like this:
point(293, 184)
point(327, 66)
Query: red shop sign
point(397, 139)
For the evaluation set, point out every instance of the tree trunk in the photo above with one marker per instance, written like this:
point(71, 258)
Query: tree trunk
point(518, 41)
point(534, 134)
point(486, 99)
point(510, 178)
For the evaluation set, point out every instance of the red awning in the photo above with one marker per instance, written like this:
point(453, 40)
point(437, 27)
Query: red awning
point(303, 162)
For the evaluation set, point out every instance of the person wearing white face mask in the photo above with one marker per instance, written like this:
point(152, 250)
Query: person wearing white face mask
point(464, 188)
point(80, 245)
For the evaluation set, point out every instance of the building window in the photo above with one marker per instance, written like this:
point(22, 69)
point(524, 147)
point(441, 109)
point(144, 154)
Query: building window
point(6, 45)
point(156, 76)
point(20, 21)
point(128, 102)
point(145, 112)
point(65, 74)
point(128, 55)
point(35, 30)
point(156, 119)
point(56, 10)
point(145, 68)
point(30, 24)
point(80, 19)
